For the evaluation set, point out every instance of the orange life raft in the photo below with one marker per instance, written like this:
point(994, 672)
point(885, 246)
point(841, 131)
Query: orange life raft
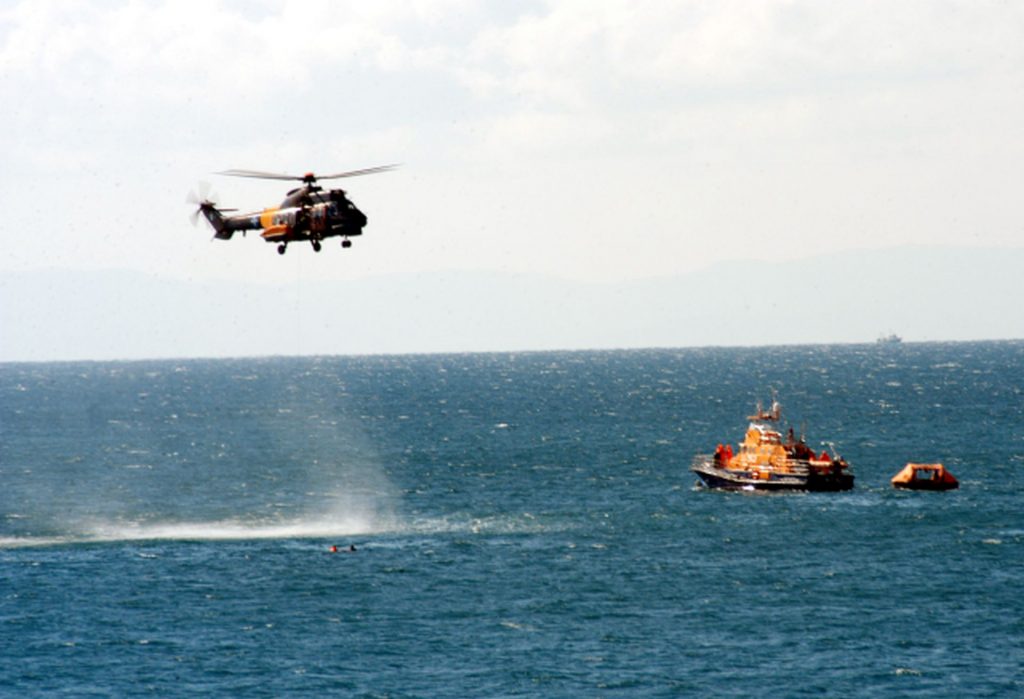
point(925, 477)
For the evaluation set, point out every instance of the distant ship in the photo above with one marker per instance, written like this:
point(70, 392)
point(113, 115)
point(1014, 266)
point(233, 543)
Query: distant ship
point(766, 461)
point(890, 339)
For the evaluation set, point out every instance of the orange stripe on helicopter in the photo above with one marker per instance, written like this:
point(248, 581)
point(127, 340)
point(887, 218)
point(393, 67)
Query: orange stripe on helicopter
point(275, 232)
point(272, 229)
point(267, 218)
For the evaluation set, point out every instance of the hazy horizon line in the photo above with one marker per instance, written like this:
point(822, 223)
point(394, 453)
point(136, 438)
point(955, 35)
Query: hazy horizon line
point(564, 350)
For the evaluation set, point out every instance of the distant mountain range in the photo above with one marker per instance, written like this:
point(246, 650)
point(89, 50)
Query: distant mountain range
point(920, 293)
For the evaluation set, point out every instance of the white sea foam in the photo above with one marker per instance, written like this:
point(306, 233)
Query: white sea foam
point(324, 527)
point(102, 531)
point(17, 542)
point(226, 530)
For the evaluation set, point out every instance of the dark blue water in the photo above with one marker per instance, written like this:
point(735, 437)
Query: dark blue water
point(526, 525)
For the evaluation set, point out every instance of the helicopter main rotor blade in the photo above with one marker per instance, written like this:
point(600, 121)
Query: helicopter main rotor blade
point(259, 174)
point(357, 173)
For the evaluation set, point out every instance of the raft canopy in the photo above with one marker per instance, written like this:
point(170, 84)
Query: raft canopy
point(917, 473)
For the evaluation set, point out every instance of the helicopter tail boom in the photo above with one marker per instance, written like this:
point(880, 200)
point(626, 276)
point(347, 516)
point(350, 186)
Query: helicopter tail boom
point(217, 220)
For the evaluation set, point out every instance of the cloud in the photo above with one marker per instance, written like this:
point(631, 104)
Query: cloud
point(597, 132)
point(730, 43)
point(173, 52)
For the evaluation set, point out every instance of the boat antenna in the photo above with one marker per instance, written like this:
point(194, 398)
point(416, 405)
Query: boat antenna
point(767, 415)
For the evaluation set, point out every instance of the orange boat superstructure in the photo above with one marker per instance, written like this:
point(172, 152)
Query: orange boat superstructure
point(925, 477)
point(764, 451)
point(767, 461)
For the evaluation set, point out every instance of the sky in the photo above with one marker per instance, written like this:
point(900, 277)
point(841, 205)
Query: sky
point(594, 141)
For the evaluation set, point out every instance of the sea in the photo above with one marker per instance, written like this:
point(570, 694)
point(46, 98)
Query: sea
point(523, 524)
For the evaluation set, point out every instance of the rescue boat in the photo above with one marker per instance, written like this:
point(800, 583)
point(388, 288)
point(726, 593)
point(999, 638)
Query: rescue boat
point(925, 477)
point(768, 461)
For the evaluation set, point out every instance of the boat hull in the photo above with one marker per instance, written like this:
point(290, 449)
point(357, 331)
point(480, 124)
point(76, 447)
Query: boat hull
point(726, 479)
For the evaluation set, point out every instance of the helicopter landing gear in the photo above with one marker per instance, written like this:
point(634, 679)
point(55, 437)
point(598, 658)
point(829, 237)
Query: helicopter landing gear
point(281, 248)
point(346, 243)
point(316, 246)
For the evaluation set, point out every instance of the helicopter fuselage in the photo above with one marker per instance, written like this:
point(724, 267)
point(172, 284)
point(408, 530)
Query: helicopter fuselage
point(307, 213)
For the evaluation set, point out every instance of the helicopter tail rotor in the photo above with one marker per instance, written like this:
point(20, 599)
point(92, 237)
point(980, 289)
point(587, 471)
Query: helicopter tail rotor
point(199, 201)
point(207, 207)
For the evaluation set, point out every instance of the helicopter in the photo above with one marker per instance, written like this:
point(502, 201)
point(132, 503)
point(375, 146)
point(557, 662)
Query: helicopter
point(307, 212)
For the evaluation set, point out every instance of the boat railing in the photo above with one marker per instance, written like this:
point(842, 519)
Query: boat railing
point(701, 459)
point(794, 467)
point(799, 467)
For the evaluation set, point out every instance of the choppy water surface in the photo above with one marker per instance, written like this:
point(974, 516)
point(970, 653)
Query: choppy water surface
point(525, 525)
